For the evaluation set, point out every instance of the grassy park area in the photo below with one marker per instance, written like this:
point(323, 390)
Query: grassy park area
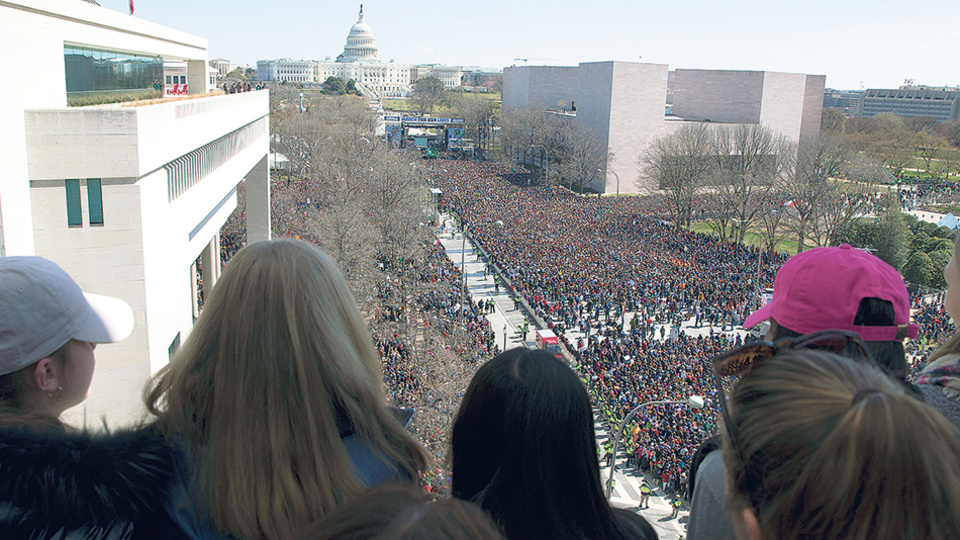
point(750, 239)
point(409, 105)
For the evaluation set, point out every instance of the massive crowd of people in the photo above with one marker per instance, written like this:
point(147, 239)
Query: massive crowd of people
point(586, 263)
point(608, 271)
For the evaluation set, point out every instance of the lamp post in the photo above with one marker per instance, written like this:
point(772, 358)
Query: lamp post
point(617, 176)
point(546, 157)
point(694, 402)
point(301, 102)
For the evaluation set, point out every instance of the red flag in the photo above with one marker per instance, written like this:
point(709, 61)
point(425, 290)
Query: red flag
point(131, 7)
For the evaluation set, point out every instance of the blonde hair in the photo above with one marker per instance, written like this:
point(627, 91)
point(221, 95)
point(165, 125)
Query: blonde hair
point(833, 449)
point(952, 345)
point(279, 354)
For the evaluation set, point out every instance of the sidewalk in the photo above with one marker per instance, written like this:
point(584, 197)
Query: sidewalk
point(626, 492)
point(505, 321)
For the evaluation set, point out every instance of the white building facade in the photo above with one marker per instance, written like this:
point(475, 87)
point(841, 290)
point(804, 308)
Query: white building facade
point(222, 66)
point(124, 196)
point(287, 70)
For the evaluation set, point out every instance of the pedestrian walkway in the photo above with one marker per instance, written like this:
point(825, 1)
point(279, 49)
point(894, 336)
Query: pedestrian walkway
point(506, 322)
point(626, 491)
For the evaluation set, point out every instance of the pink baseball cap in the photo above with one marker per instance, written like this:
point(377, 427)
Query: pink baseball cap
point(821, 289)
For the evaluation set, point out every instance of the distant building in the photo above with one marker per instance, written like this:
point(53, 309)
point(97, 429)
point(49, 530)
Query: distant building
point(359, 61)
point(287, 70)
point(940, 103)
point(125, 196)
point(625, 105)
point(845, 100)
point(222, 66)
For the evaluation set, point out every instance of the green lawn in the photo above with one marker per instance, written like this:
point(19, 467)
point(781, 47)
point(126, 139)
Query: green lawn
point(750, 239)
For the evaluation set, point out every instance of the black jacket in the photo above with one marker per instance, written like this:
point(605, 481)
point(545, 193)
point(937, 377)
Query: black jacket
point(59, 485)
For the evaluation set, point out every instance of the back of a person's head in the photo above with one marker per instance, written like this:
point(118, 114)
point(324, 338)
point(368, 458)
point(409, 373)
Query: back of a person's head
point(829, 448)
point(523, 448)
point(402, 513)
point(890, 355)
point(279, 354)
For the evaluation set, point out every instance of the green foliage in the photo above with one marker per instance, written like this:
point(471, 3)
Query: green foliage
point(351, 88)
point(939, 244)
point(334, 86)
point(83, 99)
point(939, 259)
point(888, 235)
point(920, 241)
point(918, 269)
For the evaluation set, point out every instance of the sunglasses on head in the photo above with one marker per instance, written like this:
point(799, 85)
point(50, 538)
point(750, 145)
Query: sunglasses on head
point(733, 365)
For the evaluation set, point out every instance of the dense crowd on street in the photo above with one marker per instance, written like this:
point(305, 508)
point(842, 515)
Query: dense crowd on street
point(609, 269)
point(584, 263)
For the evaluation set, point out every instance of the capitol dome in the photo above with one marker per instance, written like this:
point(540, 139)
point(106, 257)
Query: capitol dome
point(361, 45)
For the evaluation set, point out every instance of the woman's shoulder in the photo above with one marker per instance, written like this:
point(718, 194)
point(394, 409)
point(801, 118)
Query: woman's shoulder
point(61, 480)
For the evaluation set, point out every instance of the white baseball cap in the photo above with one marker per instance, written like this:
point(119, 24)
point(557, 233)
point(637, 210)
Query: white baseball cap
point(42, 308)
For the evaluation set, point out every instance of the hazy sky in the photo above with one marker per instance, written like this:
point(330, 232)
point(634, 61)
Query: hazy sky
point(879, 42)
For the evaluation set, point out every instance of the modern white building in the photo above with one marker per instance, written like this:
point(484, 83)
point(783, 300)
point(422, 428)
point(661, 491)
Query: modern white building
point(125, 196)
point(625, 104)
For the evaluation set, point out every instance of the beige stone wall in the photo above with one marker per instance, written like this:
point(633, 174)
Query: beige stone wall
point(544, 86)
point(782, 104)
point(718, 96)
point(639, 93)
point(812, 107)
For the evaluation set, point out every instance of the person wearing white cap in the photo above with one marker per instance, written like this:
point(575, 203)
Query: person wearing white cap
point(57, 482)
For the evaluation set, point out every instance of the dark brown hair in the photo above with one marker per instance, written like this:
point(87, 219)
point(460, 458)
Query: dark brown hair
point(402, 513)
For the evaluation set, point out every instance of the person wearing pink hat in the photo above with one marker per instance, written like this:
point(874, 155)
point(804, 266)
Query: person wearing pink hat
point(830, 288)
point(841, 288)
point(57, 482)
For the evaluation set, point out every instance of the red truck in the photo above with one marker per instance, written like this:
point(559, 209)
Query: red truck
point(549, 342)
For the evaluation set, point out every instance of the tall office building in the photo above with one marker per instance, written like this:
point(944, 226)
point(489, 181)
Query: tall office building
point(940, 103)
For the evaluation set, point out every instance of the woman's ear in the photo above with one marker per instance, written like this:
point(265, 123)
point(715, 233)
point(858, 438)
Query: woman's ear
point(45, 375)
point(751, 525)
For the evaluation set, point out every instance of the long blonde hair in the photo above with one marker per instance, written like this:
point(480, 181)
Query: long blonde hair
point(831, 449)
point(278, 354)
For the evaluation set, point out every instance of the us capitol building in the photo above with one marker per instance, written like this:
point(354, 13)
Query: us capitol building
point(359, 62)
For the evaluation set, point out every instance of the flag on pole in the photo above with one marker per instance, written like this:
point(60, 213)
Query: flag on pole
point(131, 7)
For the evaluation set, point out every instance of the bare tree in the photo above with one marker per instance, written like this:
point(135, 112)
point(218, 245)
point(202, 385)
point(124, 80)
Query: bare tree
point(814, 182)
point(531, 135)
point(750, 163)
point(428, 92)
point(581, 156)
point(771, 218)
point(679, 163)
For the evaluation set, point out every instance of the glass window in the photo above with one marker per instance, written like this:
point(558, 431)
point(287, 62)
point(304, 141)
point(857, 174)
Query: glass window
point(103, 76)
point(95, 200)
point(74, 219)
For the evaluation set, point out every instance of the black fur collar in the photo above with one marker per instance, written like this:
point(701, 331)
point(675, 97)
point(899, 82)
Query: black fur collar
point(58, 480)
